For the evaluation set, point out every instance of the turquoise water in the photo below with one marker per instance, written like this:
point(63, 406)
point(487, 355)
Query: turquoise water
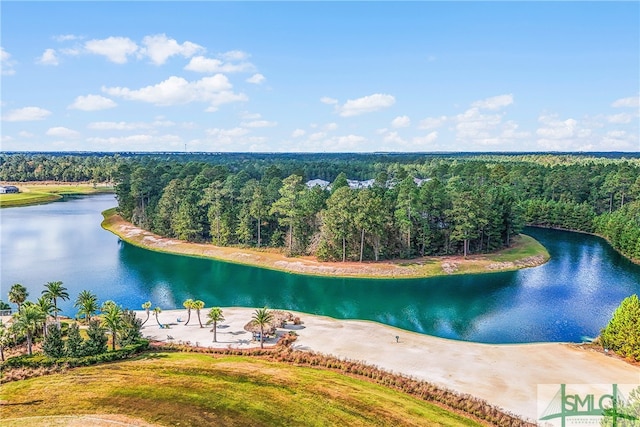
point(567, 299)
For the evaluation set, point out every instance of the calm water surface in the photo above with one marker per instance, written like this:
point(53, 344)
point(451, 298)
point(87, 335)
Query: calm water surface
point(567, 299)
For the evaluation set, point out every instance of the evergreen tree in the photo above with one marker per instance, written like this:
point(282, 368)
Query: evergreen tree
point(130, 330)
point(622, 334)
point(53, 346)
point(96, 342)
point(74, 345)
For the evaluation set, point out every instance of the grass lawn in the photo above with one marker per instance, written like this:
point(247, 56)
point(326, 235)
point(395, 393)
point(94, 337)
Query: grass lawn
point(32, 194)
point(198, 389)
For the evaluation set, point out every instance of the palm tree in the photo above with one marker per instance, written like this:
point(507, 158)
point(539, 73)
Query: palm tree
point(46, 306)
point(18, 295)
point(156, 312)
point(215, 316)
point(28, 321)
point(87, 304)
point(198, 305)
point(188, 304)
point(262, 317)
point(55, 290)
point(147, 307)
point(112, 320)
point(5, 339)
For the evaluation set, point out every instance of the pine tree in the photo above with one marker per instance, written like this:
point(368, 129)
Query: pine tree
point(97, 341)
point(53, 346)
point(74, 346)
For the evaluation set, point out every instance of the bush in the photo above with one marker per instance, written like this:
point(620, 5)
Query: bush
point(42, 361)
point(97, 341)
point(622, 334)
point(53, 346)
point(74, 346)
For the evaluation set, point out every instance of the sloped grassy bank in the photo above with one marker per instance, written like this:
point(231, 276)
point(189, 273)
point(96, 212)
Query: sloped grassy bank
point(525, 252)
point(235, 387)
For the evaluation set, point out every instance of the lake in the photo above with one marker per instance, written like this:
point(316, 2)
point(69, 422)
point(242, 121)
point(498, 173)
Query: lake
point(567, 299)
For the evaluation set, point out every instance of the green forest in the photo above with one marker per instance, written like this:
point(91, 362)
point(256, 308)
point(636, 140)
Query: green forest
point(376, 206)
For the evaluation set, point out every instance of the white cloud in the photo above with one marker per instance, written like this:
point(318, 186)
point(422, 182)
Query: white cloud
point(25, 134)
point(137, 142)
point(473, 124)
point(62, 132)
point(250, 116)
point(6, 138)
point(494, 103)
point(393, 138)
point(259, 124)
point(331, 126)
point(557, 134)
point(159, 48)
point(225, 97)
point(65, 38)
point(26, 114)
point(317, 136)
point(227, 136)
point(631, 102)
point(553, 128)
point(432, 122)
point(116, 49)
point(427, 139)
point(328, 101)
point(215, 90)
point(366, 104)
point(129, 125)
point(49, 57)
point(200, 64)
point(298, 133)
point(92, 103)
point(401, 122)
point(235, 55)
point(6, 63)
point(256, 79)
point(620, 118)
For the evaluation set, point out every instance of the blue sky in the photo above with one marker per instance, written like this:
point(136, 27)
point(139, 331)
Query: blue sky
point(320, 76)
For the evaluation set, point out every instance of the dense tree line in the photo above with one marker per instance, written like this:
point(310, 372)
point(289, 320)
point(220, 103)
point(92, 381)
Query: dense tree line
point(398, 215)
point(622, 229)
point(254, 199)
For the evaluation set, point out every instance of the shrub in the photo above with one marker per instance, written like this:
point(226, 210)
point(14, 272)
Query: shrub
point(622, 334)
point(74, 346)
point(131, 325)
point(53, 346)
point(97, 341)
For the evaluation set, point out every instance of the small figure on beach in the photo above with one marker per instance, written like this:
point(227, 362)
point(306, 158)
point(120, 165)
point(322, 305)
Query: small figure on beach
point(397, 338)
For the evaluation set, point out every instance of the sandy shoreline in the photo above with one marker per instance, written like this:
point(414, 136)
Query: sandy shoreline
point(504, 375)
point(307, 265)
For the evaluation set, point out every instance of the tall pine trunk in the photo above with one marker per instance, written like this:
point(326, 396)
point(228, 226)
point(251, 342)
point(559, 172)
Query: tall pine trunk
point(361, 244)
point(258, 231)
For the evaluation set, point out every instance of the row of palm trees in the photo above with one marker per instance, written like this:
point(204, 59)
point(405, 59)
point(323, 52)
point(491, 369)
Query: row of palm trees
point(262, 317)
point(32, 316)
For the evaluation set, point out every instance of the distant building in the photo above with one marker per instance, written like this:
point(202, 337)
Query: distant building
point(318, 183)
point(8, 189)
point(360, 184)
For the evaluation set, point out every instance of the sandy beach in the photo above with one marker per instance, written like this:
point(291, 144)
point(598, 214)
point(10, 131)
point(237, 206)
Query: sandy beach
point(505, 375)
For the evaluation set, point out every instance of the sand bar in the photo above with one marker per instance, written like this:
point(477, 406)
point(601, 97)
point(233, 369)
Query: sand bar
point(504, 375)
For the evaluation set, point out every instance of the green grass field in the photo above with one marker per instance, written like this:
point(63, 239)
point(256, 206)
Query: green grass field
point(199, 390)
point(33, 194)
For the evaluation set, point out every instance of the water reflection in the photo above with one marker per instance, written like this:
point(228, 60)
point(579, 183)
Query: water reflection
point(571, 296)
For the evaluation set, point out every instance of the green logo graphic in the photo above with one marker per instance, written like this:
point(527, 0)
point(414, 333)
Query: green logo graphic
point(614, 409)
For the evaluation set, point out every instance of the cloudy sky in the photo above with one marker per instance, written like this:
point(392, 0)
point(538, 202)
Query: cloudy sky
point(320, 77)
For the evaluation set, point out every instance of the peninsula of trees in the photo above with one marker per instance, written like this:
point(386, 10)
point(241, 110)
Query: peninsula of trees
point(406, 205)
